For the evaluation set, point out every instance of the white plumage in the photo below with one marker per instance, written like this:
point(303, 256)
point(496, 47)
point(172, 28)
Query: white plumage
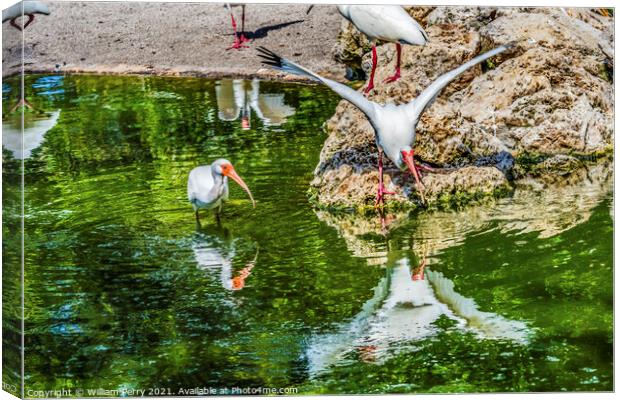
point(207, 185)
point(22, 142)
point(394, 125)
point(386, 23)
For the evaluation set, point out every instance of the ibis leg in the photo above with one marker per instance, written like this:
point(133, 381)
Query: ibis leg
point(242, 37)
point(14, 24)
point(237, 44)
point(198, 226)
point(418, 182)
point(30, 20)
point(381, 188)
point(371, 81)
point(396, 75)
point(218, 211)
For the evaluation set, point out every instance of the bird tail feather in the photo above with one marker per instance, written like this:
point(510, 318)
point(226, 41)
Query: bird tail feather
point(282, 64)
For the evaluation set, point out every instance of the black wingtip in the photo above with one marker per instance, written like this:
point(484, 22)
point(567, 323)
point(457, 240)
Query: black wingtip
point(269, 57)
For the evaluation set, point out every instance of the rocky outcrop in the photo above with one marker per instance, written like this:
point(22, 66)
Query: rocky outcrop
point(544, 104)
point(548, 205)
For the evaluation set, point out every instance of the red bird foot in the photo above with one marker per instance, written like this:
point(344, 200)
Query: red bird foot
point(379, 202)
point(418, 274)
point(238, 43)
point(393, 78)
point(368, 89)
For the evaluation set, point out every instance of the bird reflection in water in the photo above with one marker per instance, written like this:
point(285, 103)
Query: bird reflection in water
point(21, 142)
point(217, 252)
point(402, 312)
point(238, 98)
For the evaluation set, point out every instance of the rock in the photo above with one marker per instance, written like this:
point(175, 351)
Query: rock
point(350, 48)
point(474, 17)
point(547, 206)
point(548, 98)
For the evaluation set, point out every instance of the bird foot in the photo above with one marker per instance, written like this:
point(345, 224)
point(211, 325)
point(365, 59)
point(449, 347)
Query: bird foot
point(425, 168)
point(418, 274)
point(393, 78)
point(379, 201)
point(238, 44)
point(368, 89)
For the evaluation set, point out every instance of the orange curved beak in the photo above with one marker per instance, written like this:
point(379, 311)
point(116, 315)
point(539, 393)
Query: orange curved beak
point(408, 158)
point(232, 174)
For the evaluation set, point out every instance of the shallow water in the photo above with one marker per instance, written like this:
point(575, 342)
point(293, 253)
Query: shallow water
point(124, 291)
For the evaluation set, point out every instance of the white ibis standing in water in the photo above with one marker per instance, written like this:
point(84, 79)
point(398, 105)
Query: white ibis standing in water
point(240, 38)
point(386, 23)
point(394, 125)
point(30, 8)
point(207, 186)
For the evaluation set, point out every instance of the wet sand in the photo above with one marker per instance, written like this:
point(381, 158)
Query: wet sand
point(178, 39)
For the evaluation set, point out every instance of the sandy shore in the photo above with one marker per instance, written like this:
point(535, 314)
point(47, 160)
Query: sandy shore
point(171, 39)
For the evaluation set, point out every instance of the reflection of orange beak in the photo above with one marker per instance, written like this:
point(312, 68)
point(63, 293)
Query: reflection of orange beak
point(238, 283)
point(232, 174)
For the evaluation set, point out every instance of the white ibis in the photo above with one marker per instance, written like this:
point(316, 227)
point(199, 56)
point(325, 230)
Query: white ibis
point(240, 38)
point(30, 8)
point(394, 125)
point(207, 186)
point(386, 23)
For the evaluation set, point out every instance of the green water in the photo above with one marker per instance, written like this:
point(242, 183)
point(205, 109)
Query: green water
point(124, 291)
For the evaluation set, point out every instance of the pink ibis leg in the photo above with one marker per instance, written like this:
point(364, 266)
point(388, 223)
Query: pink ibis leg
point(396, 75)
point(371, 81)
point(238, 43)
point(379, 202)
point(418, 274)
point(30, 20)
point(14, 24)
point(242, 37)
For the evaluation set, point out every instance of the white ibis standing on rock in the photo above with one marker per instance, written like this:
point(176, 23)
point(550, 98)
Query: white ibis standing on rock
point(30, 8)
point(207, 186)
point(240, 38)
point(386, 23)
point(394, 125)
